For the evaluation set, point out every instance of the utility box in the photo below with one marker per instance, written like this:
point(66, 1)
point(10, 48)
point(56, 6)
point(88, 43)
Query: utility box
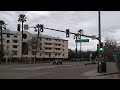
point(116, 55)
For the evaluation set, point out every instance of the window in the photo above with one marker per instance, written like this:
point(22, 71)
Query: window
point(7, 47)
point(14, 52)
point(59, 54)
point(40, 54)
point(55, 54)
point(8, 35)
point(15, 36)
point(63, 54)
point(33, 52)
point(8, 41)
point(14, 46)
point(63, 49)
point(40, 44)
point(40, 39)
point(33, 47)
point(15, 41)
point(40, 48)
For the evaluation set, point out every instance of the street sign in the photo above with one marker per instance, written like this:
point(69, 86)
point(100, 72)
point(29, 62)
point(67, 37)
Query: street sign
point(82, 40)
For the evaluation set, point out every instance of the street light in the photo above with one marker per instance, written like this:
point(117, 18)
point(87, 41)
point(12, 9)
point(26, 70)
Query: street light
point(22, 19)
point(1, 49)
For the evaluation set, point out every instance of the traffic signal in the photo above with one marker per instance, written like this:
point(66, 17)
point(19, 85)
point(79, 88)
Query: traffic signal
point(101, 46)
point(101, 55)
point(97, 47)
point(18, 27)
point(41, 27)
point(67, 33)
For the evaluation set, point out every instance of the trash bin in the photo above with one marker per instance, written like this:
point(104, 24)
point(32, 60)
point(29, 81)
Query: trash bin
point(116, 55)
point(103, 65)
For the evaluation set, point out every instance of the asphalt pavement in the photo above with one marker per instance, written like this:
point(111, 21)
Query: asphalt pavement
point(69, 70)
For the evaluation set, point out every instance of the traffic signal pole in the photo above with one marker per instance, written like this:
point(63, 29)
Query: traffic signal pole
point(99, 28)
point(1, 43)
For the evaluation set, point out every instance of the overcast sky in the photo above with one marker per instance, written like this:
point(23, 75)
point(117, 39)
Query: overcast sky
point(73, 20)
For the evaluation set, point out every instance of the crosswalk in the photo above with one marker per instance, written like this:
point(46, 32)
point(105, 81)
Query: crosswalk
point(42, 67)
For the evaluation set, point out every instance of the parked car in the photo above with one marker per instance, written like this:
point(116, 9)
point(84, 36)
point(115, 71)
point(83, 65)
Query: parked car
point(57, 61)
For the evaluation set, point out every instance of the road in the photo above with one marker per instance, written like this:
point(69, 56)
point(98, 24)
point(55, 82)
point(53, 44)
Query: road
point(69, 70)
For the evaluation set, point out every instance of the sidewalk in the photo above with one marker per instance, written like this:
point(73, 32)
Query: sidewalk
point(95, 75)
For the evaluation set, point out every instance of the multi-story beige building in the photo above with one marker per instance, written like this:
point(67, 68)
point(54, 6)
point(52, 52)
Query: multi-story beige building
point(50, 47)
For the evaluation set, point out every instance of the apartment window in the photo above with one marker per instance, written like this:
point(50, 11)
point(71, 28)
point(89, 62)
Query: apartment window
point(63, 49)
point(14, 52)
point(63, 54)
point(40, 48)
point(40, 54)
point(8, 35)
point(8, 41)
point(15, 41)
point(14, 46)
point(33, 52)
point(59, 54)
point(40, 39)
point(7, 47)
point(15, 36)
point(33, 47)
point(40, 44)
point(55, 54)
point(48, 39)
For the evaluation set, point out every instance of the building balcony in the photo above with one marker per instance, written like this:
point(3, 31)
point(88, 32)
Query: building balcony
point(47, 41)
point(51, 46)
point(48, 50)
point(56, 42)
point(16, 44)
point(58, 46)
point(58, 51)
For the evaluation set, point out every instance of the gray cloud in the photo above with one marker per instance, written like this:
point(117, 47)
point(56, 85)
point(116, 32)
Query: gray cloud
point(73, 20)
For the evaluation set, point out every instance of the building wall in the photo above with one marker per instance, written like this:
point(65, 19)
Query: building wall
point(61, 52)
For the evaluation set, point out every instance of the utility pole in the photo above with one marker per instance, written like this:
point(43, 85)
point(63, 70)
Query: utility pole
point(22, 19)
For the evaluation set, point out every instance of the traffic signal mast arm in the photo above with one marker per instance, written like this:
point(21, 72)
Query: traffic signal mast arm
point(70, 33)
